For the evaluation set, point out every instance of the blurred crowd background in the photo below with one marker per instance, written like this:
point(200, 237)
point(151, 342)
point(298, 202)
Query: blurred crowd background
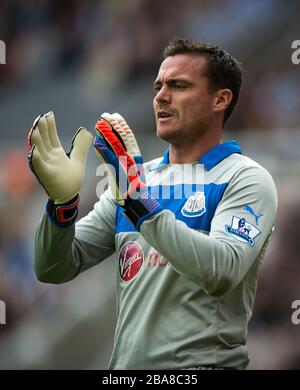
point(80, 58)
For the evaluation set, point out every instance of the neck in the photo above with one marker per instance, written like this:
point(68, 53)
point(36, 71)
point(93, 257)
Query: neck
point(188, 153)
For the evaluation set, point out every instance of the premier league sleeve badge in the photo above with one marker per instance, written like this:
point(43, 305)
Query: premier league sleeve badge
point(242, 230)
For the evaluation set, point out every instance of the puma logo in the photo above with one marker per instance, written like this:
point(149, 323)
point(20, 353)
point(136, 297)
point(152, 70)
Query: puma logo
point(252, 212)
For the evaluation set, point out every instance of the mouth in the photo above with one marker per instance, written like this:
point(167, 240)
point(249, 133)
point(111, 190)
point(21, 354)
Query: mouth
point(163, 116)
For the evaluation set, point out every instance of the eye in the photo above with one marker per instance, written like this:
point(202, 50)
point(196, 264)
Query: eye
point(156, 88)
point(178, 86)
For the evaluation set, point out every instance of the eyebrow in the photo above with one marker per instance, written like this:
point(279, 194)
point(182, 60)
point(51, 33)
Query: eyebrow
point(172, 81)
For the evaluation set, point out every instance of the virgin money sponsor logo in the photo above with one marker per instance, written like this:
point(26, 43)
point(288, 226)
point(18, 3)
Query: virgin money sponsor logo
point(131, 259)
point(155, 260)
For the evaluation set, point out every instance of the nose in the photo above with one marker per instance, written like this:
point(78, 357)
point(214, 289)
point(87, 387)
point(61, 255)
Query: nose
point(163, 95)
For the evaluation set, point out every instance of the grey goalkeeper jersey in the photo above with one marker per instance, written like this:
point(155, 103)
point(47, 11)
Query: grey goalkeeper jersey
point(187, 281)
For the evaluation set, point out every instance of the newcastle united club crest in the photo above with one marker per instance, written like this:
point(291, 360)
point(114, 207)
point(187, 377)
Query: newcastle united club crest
point(195, 205)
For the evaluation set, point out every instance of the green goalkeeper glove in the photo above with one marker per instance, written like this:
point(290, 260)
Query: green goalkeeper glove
point(60, 174)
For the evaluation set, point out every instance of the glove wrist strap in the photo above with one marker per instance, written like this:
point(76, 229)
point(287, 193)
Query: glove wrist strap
point(137, 210)
point(63, 215)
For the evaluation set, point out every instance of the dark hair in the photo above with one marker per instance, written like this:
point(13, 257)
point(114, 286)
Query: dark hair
point(223, 70)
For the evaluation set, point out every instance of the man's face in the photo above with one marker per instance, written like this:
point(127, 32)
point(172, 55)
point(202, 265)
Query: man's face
point(183, 104)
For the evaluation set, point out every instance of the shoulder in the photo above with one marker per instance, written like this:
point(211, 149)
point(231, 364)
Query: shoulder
point(248, 175)
point(245, 166)
point(237, 165)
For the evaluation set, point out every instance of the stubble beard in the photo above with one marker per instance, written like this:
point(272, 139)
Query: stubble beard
point(178, 137)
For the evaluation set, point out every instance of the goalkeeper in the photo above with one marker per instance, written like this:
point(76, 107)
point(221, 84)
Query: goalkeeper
point(188, 261)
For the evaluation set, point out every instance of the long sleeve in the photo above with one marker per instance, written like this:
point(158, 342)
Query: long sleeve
point(218, 262)
point(61, 253)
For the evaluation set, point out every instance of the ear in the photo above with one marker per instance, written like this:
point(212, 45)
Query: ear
point(222, 99)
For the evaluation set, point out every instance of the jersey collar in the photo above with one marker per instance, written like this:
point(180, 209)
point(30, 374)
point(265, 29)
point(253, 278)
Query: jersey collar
point(212, 157)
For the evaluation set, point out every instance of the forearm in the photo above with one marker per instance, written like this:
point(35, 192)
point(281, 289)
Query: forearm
point(211, 263)
point(62, 252)
point(55, 259)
